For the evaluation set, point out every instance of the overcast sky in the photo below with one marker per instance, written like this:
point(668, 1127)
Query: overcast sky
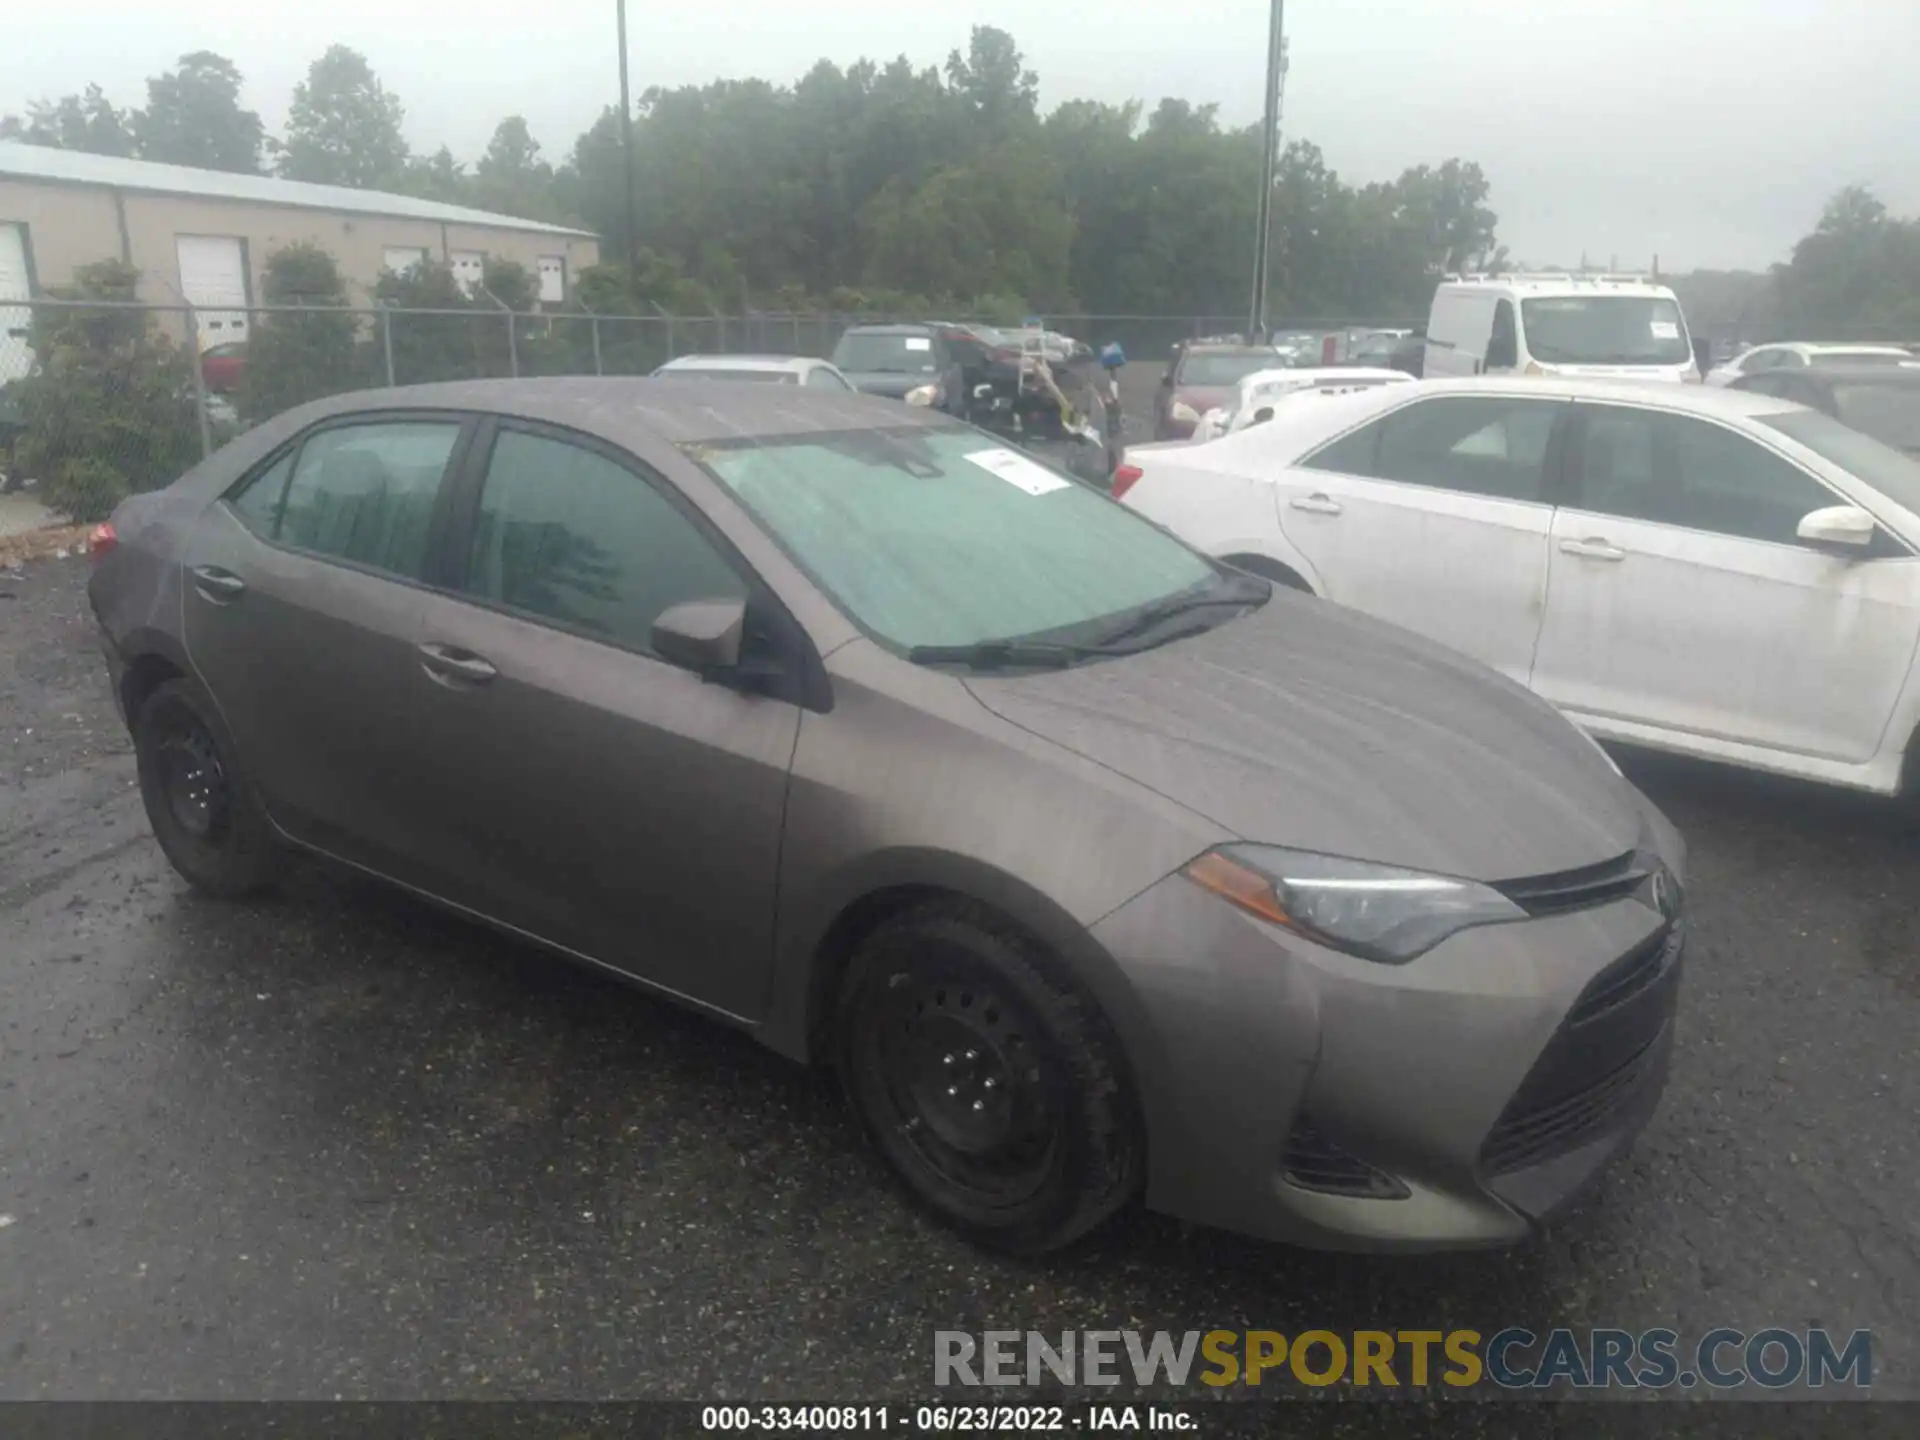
point(1708, 132)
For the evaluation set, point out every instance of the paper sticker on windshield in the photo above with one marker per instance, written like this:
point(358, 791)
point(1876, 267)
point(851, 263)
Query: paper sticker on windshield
point(919, 342)
point(1017, 470)
point(1664, 329)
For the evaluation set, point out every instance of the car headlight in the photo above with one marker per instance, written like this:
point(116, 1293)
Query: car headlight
point(1184, 413)
point(1376, 912)
point(923, 395)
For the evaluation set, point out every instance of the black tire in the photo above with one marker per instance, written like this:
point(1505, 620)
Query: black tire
point(1035, 1141)
point(202, 808)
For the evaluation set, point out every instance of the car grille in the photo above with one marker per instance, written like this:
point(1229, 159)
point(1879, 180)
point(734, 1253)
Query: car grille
point(1580, 889)
point(1628, 976)
point(1313, 1162)
point(1529, 1135)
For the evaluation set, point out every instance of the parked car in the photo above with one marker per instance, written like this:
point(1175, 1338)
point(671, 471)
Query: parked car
point(895, 360)
point(1260, 396)
point(1201, 378)
point(765, 369)
point(1795, 355)
point(1623, 327)
point(1378, 347)
point(1096, 867)
point(223, 366)
point(1878, 400)
point(1700, 570)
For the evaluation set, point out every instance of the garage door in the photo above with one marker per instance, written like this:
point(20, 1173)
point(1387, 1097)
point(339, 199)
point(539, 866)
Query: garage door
point(469, 268)
point(213, 277)
point(553, 279)
point(401, 259)
point(16, 358)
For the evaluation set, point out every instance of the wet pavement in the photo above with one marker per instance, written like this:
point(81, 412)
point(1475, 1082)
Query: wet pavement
point(335, 1144)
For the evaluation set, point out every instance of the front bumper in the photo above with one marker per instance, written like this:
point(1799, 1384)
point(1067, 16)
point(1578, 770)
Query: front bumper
point(1297, 1094)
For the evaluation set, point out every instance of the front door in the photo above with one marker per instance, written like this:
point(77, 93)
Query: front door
point(1680, 597)
point(303, 592)
point(583, 789)
point(1435, 517)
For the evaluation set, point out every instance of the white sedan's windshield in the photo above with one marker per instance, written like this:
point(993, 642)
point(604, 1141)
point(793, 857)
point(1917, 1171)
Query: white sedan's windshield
point(944, 537)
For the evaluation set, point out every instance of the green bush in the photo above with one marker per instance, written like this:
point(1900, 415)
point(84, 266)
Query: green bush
point(295, 357)
point(109, 409)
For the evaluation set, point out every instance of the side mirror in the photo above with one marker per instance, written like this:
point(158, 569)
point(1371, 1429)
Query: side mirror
point(701, 635)
point(1844, 526)
point(1262, 415)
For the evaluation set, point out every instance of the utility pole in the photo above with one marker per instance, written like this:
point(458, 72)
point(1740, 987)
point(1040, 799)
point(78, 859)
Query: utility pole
point(1276, 70)
point(626, 148)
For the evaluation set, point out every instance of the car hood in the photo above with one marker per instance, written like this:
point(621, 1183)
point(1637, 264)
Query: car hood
point(1307, 725)
point(893, 384)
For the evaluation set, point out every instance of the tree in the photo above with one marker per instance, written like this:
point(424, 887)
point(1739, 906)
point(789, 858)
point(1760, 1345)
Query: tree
point(993, 83)
point(194, 117)
point(109, 408)
point(74, 122)
point(437, 177)
point(344, 127)
point(297, 356)
point(1857, 276)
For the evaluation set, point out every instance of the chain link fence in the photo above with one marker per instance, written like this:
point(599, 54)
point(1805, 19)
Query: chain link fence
point(102, 398)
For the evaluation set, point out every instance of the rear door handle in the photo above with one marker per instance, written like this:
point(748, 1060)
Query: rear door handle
point(448, 663)
point(217, 585)
point(1318, 504)
point(1593, 548)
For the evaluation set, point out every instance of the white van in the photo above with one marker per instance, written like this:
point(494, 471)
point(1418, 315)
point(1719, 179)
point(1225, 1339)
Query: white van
point(1621, 326)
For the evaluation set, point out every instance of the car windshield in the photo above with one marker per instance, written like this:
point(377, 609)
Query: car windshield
point(1893, 474)
point(690, 372)
point(1212, 368)
point(1605, 330)
point(1889, 413)
point(870, 353)
point(944, 537)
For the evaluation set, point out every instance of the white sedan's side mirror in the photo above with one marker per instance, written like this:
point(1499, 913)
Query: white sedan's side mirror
point(1845, 525)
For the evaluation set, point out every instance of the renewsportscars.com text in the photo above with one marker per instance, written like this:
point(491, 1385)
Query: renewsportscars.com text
point(1514, 1359)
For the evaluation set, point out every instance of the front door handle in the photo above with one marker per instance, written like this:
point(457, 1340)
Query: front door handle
point(1317, 504)
point(217, 585)
point(450, 664)
point(1592, 548)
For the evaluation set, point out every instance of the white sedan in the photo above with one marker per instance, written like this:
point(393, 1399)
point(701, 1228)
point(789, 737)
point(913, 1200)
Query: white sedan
point(1797, 355)
point(1257, 398)
point(1708, 571)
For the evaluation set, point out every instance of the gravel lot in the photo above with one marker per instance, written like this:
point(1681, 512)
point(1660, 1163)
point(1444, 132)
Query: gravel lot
point(335, 1144)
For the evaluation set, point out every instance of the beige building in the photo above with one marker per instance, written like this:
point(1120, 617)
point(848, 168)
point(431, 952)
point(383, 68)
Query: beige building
point(203, 236)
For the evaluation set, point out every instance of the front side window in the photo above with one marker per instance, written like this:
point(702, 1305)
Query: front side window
point(365, 493)
point(945, 537)
point(1495, 447)
point(1605, 330)
point(1676, 470)
point(567, 535)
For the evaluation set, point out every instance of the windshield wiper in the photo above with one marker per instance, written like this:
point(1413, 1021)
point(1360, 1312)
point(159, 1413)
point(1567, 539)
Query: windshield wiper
point(1003, 654)
point(1242, 593)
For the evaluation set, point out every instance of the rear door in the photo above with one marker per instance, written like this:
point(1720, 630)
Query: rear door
point(582, 788)
point(1681, 599)
point(303, 592)
point(1436, 517)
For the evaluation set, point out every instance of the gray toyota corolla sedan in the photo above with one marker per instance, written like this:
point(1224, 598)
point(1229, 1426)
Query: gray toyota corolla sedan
point(1096, 868)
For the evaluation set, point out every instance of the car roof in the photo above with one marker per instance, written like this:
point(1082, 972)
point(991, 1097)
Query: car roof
point(905, 329)
point(1225, 349)
point(636, 412)
point(740, 362)
point(1908, 375)
point(1834, 347)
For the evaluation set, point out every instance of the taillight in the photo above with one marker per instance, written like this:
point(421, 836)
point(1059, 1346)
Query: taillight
point(1124, 477)
point(101, 541)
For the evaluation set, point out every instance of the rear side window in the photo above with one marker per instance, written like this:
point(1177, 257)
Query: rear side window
point(569, 536)
point(1495, 446)
point(821, 378)
point(362, 493)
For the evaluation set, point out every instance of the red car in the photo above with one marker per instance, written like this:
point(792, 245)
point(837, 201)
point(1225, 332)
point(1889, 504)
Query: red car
point(1203, 377)
point(222, 365)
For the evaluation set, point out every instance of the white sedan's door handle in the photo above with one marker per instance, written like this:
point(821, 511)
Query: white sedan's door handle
point(1592, 549)
point(1318, 503)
